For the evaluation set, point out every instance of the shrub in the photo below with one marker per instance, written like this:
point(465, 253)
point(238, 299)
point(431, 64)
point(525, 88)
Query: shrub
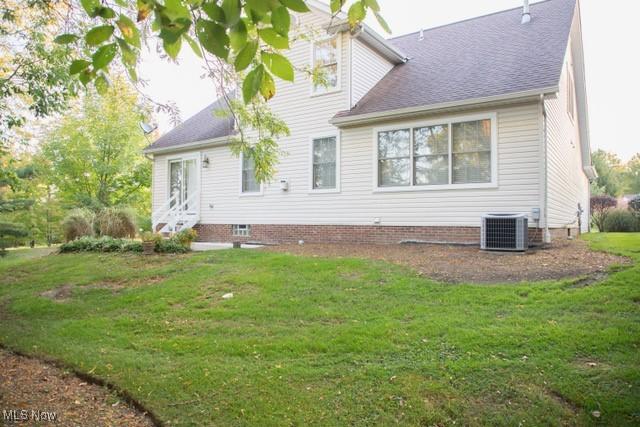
point(620, 221)
point(186, 237)
point(117, 222)
point(77, 223)
point(600, 208)
point(110, 244)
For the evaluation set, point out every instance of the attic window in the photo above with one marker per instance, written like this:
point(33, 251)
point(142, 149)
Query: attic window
point(326, 60)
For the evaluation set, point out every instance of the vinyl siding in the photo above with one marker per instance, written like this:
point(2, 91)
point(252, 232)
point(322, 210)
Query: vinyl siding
point(567, 183)
point(357, 203)
point(367, 69)
point(518, 160)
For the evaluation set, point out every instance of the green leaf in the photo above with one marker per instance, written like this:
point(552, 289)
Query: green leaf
point(336, 5)
point(104, 55)
point(86, 76)
point(260, 6)
point(279, 65)
point(102, 84)
point(99, 34)
point(373, 5)
point(129, 30)
point(281, 20)
point(78, 65)
point(91, 7)
point(357, 13)
point(382, 22)
point(213, 11)
point(129, 56)
point(174, 10)
point(172, 49)
point(231, 10)
point(296, 5)
point(272, 38)
point(106, 13)
point(268, 86)
point(193, 44)
point(246, 55)
point(213, 38)
point(65, 38)
point(252, 83)
point(238, 36)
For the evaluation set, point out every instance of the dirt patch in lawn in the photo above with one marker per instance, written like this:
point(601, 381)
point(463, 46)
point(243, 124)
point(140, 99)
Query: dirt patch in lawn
point(457, 264)
point(31, 385)
point(61, 294)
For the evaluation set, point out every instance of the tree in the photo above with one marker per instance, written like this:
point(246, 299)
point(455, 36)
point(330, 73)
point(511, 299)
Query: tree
point(10, 230)
point(631, 175)
point(610, 172)
point(34, 76)
point(242, 44)
point(600, 208)
point(94, 156)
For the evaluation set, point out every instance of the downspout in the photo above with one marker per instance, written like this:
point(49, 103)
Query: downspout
point(545, 142)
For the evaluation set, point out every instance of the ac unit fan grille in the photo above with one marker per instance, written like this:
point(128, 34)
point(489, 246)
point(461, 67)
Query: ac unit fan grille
point(504, 232)
point(501, 233)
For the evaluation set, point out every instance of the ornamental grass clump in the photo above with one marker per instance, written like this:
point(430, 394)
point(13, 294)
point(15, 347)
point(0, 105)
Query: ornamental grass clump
point(78, 223)
point(116, 222)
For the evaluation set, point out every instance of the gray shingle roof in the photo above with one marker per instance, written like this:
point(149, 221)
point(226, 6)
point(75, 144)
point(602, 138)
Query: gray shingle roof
point(481, 57)
point(203, 126)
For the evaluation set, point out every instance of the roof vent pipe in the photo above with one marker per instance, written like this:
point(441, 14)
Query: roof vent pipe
point(421, 37)
point(526, 14)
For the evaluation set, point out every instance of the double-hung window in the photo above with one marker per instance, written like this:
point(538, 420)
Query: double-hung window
point(326, 58)
point(324, 163)
point(450, 153)
point(249, 182)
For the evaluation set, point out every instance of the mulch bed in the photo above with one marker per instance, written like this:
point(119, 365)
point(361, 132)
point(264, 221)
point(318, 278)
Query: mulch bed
point(458, 264)
point(31, 385)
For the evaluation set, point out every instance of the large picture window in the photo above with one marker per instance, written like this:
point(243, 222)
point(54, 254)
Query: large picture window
point(448, 153)
point(249, 182)
point(326, 56)
point(324, 153)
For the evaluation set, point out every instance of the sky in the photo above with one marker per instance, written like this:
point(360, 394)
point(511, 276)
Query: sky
point(611, 32)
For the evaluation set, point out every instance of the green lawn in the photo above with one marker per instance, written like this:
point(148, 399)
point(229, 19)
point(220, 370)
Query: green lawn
point(333, 342)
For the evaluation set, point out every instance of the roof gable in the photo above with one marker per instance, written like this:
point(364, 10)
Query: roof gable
point(205, 125)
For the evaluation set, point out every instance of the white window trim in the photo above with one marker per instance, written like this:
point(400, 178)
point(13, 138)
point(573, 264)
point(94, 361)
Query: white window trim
point(493, 116)
point(338, 88)
point(312, 190)
point(249, 193)
point(190, 156)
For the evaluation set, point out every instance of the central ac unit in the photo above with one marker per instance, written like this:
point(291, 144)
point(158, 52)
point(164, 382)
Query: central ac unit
point(504, 232)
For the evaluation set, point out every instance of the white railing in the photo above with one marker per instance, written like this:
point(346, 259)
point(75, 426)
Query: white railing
point(179, 216)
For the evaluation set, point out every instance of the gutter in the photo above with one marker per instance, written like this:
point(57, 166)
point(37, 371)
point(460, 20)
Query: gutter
point(368, 36)
point(361, 119)
point(213, 142)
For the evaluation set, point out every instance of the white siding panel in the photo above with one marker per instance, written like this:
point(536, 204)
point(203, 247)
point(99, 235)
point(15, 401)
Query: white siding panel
point(367, 69)
point(357, 203)
point(567, 183)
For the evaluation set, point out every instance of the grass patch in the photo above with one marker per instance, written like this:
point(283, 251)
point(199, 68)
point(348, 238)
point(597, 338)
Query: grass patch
point(311, 341)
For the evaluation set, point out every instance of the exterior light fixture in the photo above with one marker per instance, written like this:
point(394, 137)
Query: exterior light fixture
point(205, 162)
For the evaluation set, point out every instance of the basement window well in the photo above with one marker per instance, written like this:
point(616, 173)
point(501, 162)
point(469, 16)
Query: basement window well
point(241, 230)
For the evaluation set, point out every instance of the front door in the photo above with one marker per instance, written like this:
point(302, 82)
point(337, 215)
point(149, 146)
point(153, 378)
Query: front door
point(183, 181)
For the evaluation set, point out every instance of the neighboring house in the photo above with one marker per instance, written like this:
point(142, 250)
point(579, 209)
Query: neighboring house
point(415, 139)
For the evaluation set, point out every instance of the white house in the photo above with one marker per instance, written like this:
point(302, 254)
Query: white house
point(415, 138)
